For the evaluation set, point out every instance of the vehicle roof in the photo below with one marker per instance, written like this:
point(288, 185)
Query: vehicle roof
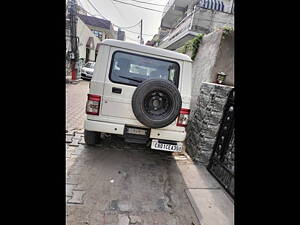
point(146, 49)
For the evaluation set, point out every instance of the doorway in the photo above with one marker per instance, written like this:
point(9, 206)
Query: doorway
point(87, 55)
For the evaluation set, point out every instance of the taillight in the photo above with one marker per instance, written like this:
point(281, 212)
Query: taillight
point(183, 117)
point(93, 104)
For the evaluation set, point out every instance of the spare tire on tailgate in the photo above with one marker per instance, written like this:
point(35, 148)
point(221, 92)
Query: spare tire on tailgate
point(156, 103)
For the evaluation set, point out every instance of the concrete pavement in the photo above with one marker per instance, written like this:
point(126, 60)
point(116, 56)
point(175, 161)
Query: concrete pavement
point(76, 96)
point(119, 183)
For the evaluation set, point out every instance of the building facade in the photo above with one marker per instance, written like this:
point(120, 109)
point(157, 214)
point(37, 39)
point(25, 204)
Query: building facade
point(182, 20)
point(88, 42)
point(91, 31)
point(101, 28)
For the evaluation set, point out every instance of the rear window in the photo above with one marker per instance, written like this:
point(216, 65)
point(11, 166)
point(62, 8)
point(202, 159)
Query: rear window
point(89, 65)
point(132, 69)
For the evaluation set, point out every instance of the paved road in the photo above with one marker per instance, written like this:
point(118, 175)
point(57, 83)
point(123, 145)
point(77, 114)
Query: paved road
point(76, 96)
point(117, 183)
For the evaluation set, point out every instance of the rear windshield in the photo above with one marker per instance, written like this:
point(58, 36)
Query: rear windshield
point(89, 65)
point(132, 69)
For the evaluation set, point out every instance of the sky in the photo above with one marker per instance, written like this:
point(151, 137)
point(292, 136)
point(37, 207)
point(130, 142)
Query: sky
point(126, 15)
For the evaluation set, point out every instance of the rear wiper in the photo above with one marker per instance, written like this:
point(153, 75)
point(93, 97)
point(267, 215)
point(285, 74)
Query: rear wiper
point(133, 79)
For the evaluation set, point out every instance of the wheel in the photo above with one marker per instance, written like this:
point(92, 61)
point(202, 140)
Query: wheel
point(91, 137)
point(156, 103)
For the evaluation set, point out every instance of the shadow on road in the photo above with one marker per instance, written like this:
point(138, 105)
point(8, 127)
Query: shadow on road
point(117, 178)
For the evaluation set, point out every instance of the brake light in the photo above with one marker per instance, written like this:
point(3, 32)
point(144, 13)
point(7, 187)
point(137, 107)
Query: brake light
point(93, 104)
point(183, 117)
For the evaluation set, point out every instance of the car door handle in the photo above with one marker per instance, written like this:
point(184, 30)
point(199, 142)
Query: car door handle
point(117, 90)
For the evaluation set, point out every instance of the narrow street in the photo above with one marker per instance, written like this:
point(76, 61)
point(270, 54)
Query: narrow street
point(76, 95)
point(171, 71)
point(116, 183)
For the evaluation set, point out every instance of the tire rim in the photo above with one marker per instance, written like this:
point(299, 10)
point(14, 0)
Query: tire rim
point(157, 104)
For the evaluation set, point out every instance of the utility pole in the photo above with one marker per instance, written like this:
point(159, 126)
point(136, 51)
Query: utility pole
point(73, 37)
point(141, 34)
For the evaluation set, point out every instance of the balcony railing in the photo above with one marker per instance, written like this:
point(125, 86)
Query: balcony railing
point(183, 25)
point(191, 23)
point(167, 7)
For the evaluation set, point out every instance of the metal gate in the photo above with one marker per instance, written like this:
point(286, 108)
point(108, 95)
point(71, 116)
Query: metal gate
point(221, 164)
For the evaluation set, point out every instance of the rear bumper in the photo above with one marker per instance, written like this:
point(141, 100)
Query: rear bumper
point(115, 128)
point(111, 128)
point(83, 75)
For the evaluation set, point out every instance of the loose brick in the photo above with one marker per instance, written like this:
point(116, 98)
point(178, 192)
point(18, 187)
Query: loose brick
point(135, 219)
point(78, 136)
point(69, 189)
point(77, 197)
point(82, 141)
point(74, 142)
point(69, 138)
point(70, 133)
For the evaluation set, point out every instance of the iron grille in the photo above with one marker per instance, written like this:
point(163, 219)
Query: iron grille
point(221, 164)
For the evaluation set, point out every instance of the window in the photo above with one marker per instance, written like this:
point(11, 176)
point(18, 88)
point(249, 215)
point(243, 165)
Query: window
point(89, 65)
point(98, 34)
point(132, 69)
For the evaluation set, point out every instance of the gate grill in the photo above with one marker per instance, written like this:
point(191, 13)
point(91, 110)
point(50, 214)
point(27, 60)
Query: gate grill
point(221, 164)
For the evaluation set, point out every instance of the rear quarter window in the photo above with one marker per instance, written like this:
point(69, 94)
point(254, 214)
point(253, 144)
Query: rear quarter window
point(132, 69)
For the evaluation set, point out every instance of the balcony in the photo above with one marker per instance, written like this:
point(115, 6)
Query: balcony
point(201, 20)
point(174, 11)
point(179, 32)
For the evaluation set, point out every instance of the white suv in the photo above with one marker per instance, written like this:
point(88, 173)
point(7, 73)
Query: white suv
point(87, 71)
point(140, 92)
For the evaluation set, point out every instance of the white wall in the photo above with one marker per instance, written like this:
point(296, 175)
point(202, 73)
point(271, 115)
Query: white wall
point(215, 54)
point(84, 33)
point(211, 20)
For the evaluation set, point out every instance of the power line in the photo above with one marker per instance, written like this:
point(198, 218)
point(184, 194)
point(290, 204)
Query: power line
point(106, 18)
point(129, 26)
point(148, 3)
point(124, 28)
point(96, 9)
point(139, 33)
point(132, 39)
point(122, 15)
point(138, 6)
point(119, 12)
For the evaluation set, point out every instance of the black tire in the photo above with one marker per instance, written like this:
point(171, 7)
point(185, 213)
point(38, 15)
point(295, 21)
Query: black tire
point(91, 137)
point(166, 107)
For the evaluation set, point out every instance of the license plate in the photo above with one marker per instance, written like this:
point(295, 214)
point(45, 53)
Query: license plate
point(166, 147)
point(136, 131)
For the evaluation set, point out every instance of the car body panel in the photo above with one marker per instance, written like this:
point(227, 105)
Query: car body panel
point(87, 72)
point(116, 108)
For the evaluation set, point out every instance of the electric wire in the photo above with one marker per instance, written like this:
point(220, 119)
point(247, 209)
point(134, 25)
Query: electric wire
point(133, 39)
point(106, 18)
point(138, 6)
point(139, 33)
point(124, 28)
point(148, 3)
point(119, 12)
